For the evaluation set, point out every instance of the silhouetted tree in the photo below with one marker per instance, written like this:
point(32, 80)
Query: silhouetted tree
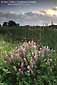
point(0, 25)
point(4, 24)
point(11, 23)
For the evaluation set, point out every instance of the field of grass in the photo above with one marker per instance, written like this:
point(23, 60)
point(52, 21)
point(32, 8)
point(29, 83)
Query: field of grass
point(6, 45)
point(11, 36)
point(44, 71)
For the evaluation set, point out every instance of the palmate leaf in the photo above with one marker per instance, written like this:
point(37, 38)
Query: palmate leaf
point(6, 71)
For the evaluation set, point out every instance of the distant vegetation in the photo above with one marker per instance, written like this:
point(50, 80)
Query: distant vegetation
point(13, 32)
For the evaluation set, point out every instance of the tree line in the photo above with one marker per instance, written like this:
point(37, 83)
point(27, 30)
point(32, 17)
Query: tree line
point(12, 23)
point(9, 23)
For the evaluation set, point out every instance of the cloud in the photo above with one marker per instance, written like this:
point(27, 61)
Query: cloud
point(39, 17)
point(49, 12)
point(3, 14)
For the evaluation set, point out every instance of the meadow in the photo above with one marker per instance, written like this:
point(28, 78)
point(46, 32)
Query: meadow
point(44, 71)
point(10, 37)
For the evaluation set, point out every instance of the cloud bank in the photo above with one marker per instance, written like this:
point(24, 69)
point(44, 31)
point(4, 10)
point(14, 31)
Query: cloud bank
point(35, 17)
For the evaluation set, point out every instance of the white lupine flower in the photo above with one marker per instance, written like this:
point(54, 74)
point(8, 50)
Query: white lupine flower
point(19, 69)
point(50, 60)
point(12, 56)
point(34, 46)
point(29, 43)
point(25, 59)
point(39, 53)
point(47, 47)
point(28, 67)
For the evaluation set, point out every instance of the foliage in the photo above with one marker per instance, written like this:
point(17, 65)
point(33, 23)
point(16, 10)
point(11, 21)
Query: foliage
point(4, 24)
point(44, 71)
point(11, 23)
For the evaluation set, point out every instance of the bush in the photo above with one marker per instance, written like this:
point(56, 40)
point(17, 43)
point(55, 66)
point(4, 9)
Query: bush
point(45, 70)
point(18, 72)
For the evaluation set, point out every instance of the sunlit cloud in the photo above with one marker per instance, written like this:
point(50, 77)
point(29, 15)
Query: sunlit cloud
point(50, 12)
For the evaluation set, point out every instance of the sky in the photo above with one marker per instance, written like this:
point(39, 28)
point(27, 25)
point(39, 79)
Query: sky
point(29, 12)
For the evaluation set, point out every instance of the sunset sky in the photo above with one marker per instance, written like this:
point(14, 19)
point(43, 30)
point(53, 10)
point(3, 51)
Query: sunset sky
point(29, 12)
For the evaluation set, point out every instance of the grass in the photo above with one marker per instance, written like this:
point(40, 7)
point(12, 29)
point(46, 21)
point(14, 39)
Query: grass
point(11, 36)
point(5, 46)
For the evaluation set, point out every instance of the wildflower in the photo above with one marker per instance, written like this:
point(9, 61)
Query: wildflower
point(39, 53)
point(50, 60)
point(19, 70)
point(35, 45)
point(28, 67)
point(28, 54)
point(12, 56)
